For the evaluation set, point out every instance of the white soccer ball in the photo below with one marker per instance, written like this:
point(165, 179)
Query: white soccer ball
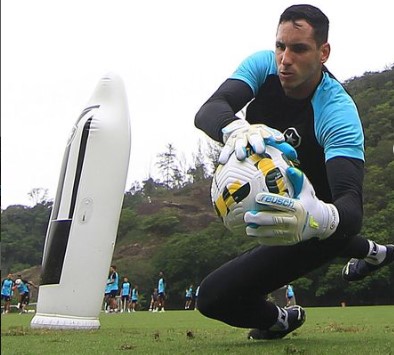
point(18, 281)
point(235, 185)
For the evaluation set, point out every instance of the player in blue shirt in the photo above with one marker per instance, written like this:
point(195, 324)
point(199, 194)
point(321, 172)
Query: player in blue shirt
point(24, 292)
point(188, 297)
point(134, 298)
point(290, 90)
point(153, 306)
point(6, 292)
point(161, 289)
point(125, 293)
point(289, 295)
point(113, 283)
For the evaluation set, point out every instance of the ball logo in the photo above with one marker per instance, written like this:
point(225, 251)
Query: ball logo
point(232, 194)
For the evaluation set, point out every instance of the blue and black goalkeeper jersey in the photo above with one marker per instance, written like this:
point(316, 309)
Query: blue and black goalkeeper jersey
point(114, 281)
point(161, 285)
point(134, 295)
point(324, 128)
point(6, 287)
point(126, 288)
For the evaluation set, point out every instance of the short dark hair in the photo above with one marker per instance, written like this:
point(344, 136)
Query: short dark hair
point(312, 15)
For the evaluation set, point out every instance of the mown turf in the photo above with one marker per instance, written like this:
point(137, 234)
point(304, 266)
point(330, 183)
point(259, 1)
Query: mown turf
point(350, 330)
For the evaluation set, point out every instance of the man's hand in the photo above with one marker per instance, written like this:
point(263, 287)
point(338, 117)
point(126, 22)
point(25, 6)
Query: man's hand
point(239, 133)
point(286, 221)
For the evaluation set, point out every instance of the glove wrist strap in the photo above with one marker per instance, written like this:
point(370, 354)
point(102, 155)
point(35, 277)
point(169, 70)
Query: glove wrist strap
point(331, 224)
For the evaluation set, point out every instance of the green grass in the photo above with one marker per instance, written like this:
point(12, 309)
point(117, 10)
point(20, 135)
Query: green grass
point(350, 330)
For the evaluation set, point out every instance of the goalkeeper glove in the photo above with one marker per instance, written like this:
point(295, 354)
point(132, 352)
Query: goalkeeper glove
point(239, 133)
point(284, 220)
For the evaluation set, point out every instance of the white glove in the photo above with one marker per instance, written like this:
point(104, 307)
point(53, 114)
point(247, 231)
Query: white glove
point(286, 221)
point(239, 133)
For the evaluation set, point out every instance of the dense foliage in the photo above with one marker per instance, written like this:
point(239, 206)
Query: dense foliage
point(170, 225)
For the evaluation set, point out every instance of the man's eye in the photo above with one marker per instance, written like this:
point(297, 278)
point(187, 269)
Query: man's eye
point(299, 49)
point(280, 46)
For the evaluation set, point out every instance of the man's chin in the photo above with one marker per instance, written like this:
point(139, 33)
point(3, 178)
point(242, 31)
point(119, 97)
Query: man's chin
point(293, 91)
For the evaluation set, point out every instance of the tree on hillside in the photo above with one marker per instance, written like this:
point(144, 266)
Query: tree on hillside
point(38, 195)
point(169, 167)
point(199, 171)
point(213, 152)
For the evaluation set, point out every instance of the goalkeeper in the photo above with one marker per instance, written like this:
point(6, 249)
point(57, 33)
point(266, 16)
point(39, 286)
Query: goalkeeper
point(292, 91)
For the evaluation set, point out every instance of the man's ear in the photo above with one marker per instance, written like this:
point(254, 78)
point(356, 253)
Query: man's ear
point(325, 52)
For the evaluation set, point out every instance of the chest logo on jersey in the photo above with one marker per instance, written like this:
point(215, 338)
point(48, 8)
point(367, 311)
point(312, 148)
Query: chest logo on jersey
point(292, 137)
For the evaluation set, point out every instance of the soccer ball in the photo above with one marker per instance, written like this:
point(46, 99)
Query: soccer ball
point(18, 281)
point(236, 184)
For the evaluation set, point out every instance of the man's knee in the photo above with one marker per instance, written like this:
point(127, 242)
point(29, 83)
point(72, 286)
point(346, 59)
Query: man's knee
point(208, 304)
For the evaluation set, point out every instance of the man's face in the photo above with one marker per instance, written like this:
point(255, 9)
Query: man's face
point(298, 58)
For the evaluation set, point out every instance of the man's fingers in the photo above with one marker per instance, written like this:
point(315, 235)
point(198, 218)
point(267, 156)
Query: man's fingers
point(296, 178)
point(269, 219)
point(255, 219)
point(240, 147)
point(238, 134)
point(268, 132)
point(276, 228)
point(256, 141)
point(225, 154)
point(284, 147)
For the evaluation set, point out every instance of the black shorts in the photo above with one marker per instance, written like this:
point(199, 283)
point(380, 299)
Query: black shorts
point(25, 298)
point(113, 293)
point(6, 298)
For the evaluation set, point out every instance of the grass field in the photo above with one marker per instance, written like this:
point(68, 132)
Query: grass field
point(349, 330)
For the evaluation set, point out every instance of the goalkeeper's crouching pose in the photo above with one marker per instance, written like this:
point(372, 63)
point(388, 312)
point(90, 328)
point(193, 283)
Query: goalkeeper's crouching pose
point(290, 90)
